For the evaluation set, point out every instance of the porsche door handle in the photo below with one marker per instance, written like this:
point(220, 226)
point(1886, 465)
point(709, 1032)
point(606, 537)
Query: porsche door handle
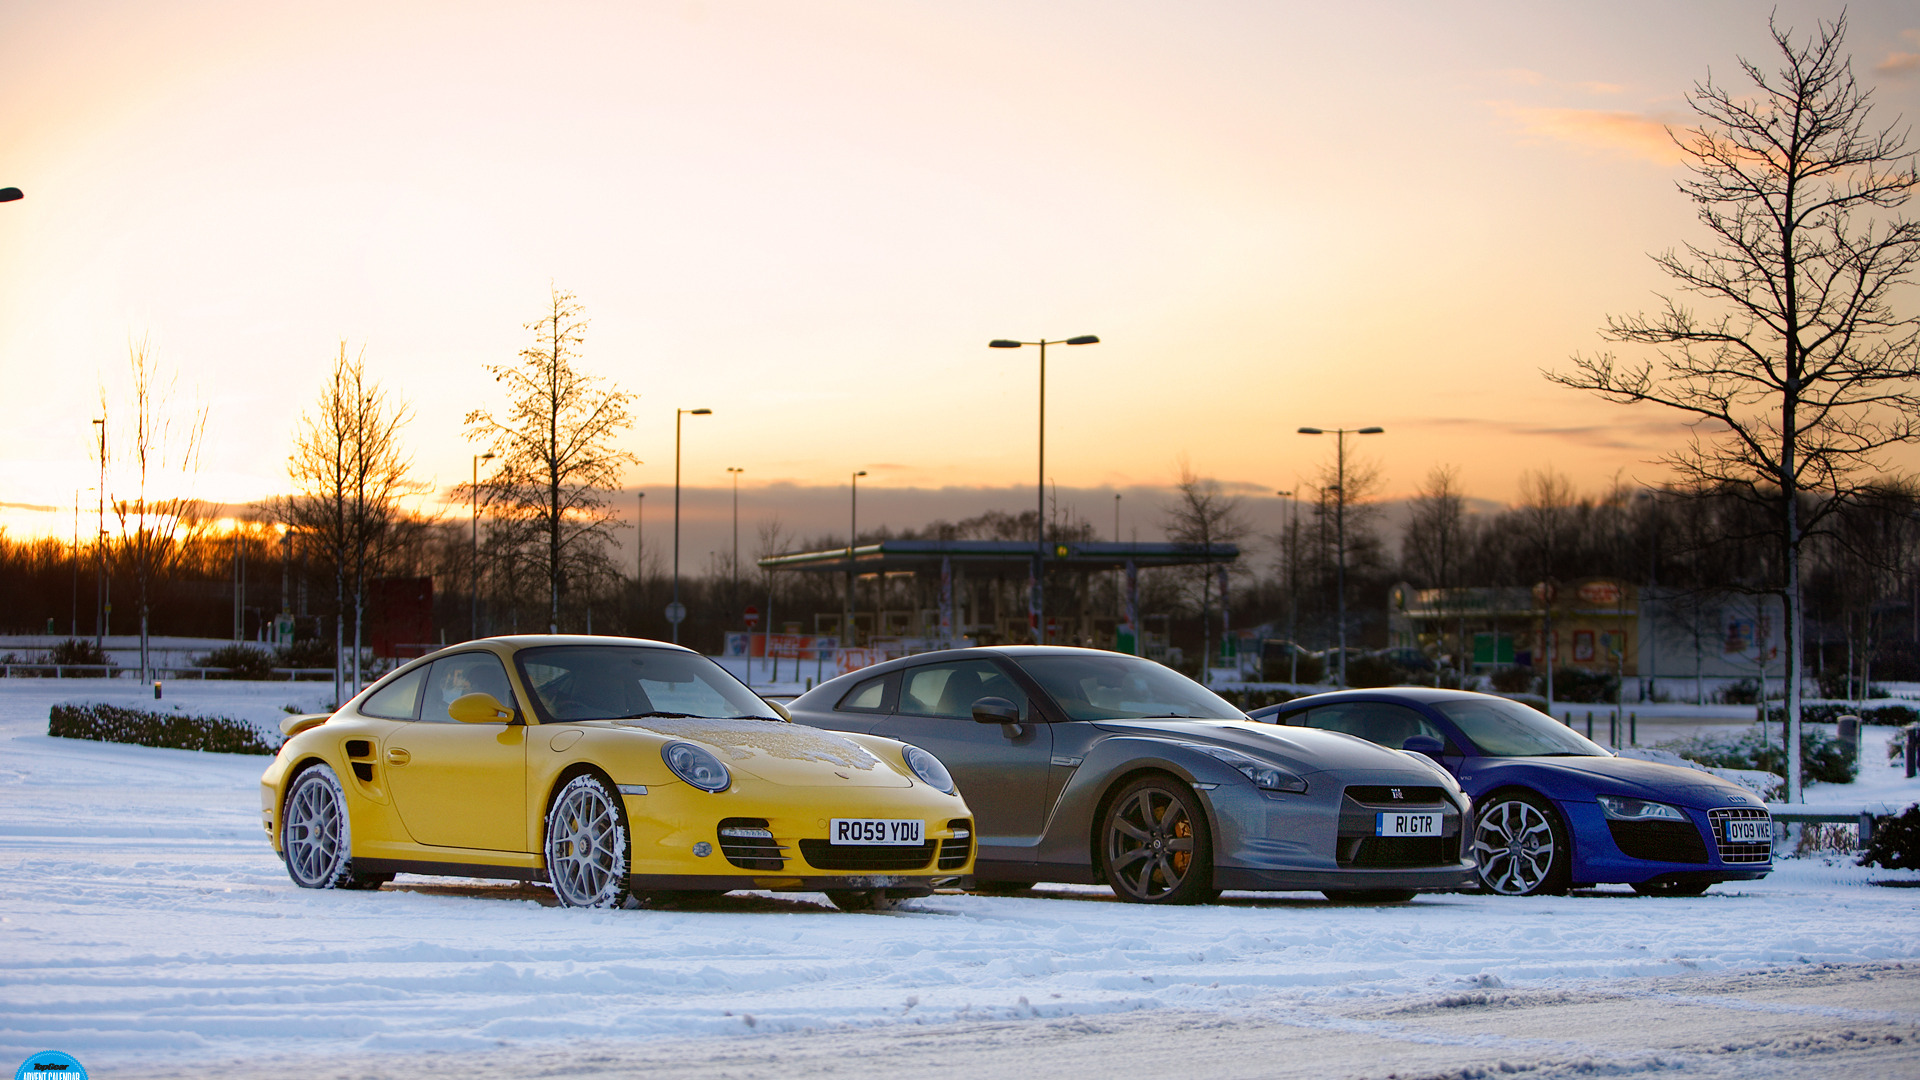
point(397, 756)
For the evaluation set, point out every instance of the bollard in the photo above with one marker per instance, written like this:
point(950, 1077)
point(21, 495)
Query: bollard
point(1913, 750)
point(1589, 723)
point(156, 697)
point(809, 682)
point(1849, 735)
point(1633, 729)
point(1613, 728)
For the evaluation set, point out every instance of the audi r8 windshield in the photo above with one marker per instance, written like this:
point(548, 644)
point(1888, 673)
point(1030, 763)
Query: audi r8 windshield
point(1503, 728)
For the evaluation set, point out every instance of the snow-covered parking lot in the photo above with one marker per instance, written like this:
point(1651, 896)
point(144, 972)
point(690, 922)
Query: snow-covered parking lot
point(145, 925)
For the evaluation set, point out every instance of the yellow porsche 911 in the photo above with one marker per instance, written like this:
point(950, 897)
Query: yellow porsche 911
point(609, 768)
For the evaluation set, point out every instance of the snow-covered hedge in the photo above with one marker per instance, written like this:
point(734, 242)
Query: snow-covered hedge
point(1896, 841)
point(117, 723)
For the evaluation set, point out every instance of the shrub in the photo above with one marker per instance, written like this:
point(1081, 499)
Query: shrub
point(114, 723)
point(1515, 680)
point(78, 651)
point(1580, 686)
point(1366, 670)
point(1827, 712)
point(1307, 669)
point(1822, 758)
point(1249, 700)
point(1896, 841)
point(240, 662)
point(307, 653)
point(1744, 692)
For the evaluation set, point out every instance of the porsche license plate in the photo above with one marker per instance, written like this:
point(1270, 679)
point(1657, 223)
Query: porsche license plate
point(1401, 824)
point(891, 832)
point(1749, 831)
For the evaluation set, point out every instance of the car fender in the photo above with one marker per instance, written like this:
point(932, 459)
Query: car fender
point(1072, 828)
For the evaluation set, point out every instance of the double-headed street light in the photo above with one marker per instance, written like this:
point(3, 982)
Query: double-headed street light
point(1036, 604)
point(1340, 529)
point(675, 612)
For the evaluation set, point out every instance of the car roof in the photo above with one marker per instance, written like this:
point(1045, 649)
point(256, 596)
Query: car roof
point(1422, 694)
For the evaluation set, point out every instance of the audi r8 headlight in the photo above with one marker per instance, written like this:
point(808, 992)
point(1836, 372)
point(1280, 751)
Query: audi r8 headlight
point(928, 769)
point(1264, 776)
point(1620, 808)
point(696, 766)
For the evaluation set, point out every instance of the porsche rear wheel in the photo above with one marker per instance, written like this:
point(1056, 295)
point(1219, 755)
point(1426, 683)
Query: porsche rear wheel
point(1155, 845)
point(587, 846)
point(316, 837)
point(1522, 848)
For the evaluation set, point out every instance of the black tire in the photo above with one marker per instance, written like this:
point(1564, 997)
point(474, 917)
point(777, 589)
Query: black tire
point(1672, 888)
point(588, 848)
point(1155, 845)
point(862, 899)
point(1522, 847)
point(1368, 896)
point(316, 834)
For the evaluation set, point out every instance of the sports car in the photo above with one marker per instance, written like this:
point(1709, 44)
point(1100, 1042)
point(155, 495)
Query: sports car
point(1087, 767)
point(1558, 811)
point(609, 768)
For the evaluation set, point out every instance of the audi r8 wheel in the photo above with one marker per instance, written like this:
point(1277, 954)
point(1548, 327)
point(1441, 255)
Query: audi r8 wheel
point(1522, 848)
point(1671, 888)
point(587, 847)
point(1155, 844)
point(316, 837)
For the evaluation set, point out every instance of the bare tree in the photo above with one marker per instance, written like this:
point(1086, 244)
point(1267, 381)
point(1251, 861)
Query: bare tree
point(349, 473)
point(1806, 371)
point(1547, 504)
point(1435, 546)
point(163, 446)
point(1205, 516)
point(555, 445)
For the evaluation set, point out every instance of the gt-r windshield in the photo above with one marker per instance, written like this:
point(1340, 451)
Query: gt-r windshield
point(1503, 728)
point(1119, 687)
point(608, 682)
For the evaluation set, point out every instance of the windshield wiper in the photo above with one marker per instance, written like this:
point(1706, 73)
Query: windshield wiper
point(664, 715)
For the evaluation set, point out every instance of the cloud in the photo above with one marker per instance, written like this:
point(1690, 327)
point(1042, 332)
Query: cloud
point(1597, 130)
point(1642, 436)
point(1898, 63)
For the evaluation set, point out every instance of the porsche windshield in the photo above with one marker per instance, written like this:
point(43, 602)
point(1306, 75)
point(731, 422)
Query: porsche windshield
point(1120, 687)
point(603, 682)
point(1503, 728)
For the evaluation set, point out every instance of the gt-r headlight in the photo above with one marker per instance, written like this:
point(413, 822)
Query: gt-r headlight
point(1621, 808)
point(696, 766)
point(928, 769)
point(1264, 776)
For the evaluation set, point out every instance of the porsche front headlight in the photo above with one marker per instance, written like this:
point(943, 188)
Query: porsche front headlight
point(696, 766)
point(1264, 776)
point(1620, 808)
point(928, 769)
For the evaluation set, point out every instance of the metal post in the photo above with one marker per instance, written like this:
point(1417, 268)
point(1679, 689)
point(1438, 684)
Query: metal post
point(676, 608)
point(473, 599)
point(1037, 604)
point(100, 550)
point(853, 531)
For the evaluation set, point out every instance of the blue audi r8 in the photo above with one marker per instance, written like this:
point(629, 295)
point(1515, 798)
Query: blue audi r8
point(1555, 810)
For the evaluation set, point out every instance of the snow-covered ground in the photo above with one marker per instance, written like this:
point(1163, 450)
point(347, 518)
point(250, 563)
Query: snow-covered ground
point(144, 919)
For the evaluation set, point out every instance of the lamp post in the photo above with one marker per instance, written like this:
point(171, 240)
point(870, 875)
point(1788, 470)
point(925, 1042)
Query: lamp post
point(640, 543)
point(853, 527)
point(473, 599)
point(100, 549)
point(735, 598)
point(1036, 604)
point(676, 613)
point(1340, 530)
point(1293, 600)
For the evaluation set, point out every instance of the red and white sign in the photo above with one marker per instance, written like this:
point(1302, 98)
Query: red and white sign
point(1600, 593)
point(752, 615)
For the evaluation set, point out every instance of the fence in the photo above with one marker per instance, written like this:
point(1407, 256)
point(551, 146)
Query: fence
point(110, 671)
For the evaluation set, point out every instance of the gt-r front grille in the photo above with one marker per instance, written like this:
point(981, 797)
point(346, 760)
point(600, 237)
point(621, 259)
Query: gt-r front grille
point(1386, 795)
point(1398, 851)
point(954, 852)
point(1659, 841)
point(826, 855)
point(1743, 852)
point(748, 844)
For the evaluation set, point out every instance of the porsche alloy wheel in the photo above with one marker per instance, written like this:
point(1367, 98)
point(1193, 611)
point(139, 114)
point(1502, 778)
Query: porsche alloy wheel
point(1156, 847)
point(1521, 848)
point(587, 845)
point(315, 836)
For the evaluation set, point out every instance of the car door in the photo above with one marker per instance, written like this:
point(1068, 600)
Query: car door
point(1002, 770)
point(461, 785)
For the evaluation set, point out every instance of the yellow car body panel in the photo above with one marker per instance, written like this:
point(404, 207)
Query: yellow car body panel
point(471, 799)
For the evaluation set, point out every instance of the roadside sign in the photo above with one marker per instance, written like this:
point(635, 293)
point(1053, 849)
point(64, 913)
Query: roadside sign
point(676, 613)
point(752, 615)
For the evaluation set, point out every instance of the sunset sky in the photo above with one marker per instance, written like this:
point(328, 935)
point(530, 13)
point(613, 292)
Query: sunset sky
point(812, 218)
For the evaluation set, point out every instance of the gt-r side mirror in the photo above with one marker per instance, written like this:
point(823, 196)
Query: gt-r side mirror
point(996, 710)
point(1424, 744)
point(479, 708)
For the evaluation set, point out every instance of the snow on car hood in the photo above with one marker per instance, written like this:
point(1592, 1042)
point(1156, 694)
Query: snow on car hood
point(777, 751)
point(1304, 750)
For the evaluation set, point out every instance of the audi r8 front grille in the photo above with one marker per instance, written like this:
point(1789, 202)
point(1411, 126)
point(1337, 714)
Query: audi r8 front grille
point(862, 858)
point(954, 852)
point(1660, 841)
point(748, 844)
point(1743, 852)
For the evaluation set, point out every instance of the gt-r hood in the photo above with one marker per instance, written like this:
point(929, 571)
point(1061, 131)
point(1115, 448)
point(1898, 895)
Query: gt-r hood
point(777, 752)
point(1303, 750)
point(1645, 779)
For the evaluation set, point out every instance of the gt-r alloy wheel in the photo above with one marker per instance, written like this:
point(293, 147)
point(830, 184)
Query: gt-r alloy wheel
point(315, 836)
point(587, 845)
point(1522, 847)
point(1156, 848)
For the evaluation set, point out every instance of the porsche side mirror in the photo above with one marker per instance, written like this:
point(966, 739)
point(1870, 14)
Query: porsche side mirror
point(1424, 744)
point(996, 710)
point(780, 711)
point(479, 708)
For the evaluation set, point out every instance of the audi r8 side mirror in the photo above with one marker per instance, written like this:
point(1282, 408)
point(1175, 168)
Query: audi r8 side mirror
point(1424, 744)
point(479, 708)
point(996, 710)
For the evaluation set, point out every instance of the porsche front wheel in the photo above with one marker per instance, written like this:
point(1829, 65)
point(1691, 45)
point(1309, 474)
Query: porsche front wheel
point(587, 845)
point(316, 837)
point(1155, 844)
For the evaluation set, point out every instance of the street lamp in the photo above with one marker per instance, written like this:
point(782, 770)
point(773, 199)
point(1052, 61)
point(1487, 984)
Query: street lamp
point(99, 545)
point(675, 612)
point(1036, 604)
point(473, 604)
point(853, 526)
point(736, 530)
point(1293, 600)
point(1340, 530)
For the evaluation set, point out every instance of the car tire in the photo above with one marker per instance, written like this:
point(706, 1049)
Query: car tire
point(1671, 888)
point(1368, 896)
point(588, 847)
point(1155, 845)
point(316, 834)
point(862, 899)
point(1522, 847)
